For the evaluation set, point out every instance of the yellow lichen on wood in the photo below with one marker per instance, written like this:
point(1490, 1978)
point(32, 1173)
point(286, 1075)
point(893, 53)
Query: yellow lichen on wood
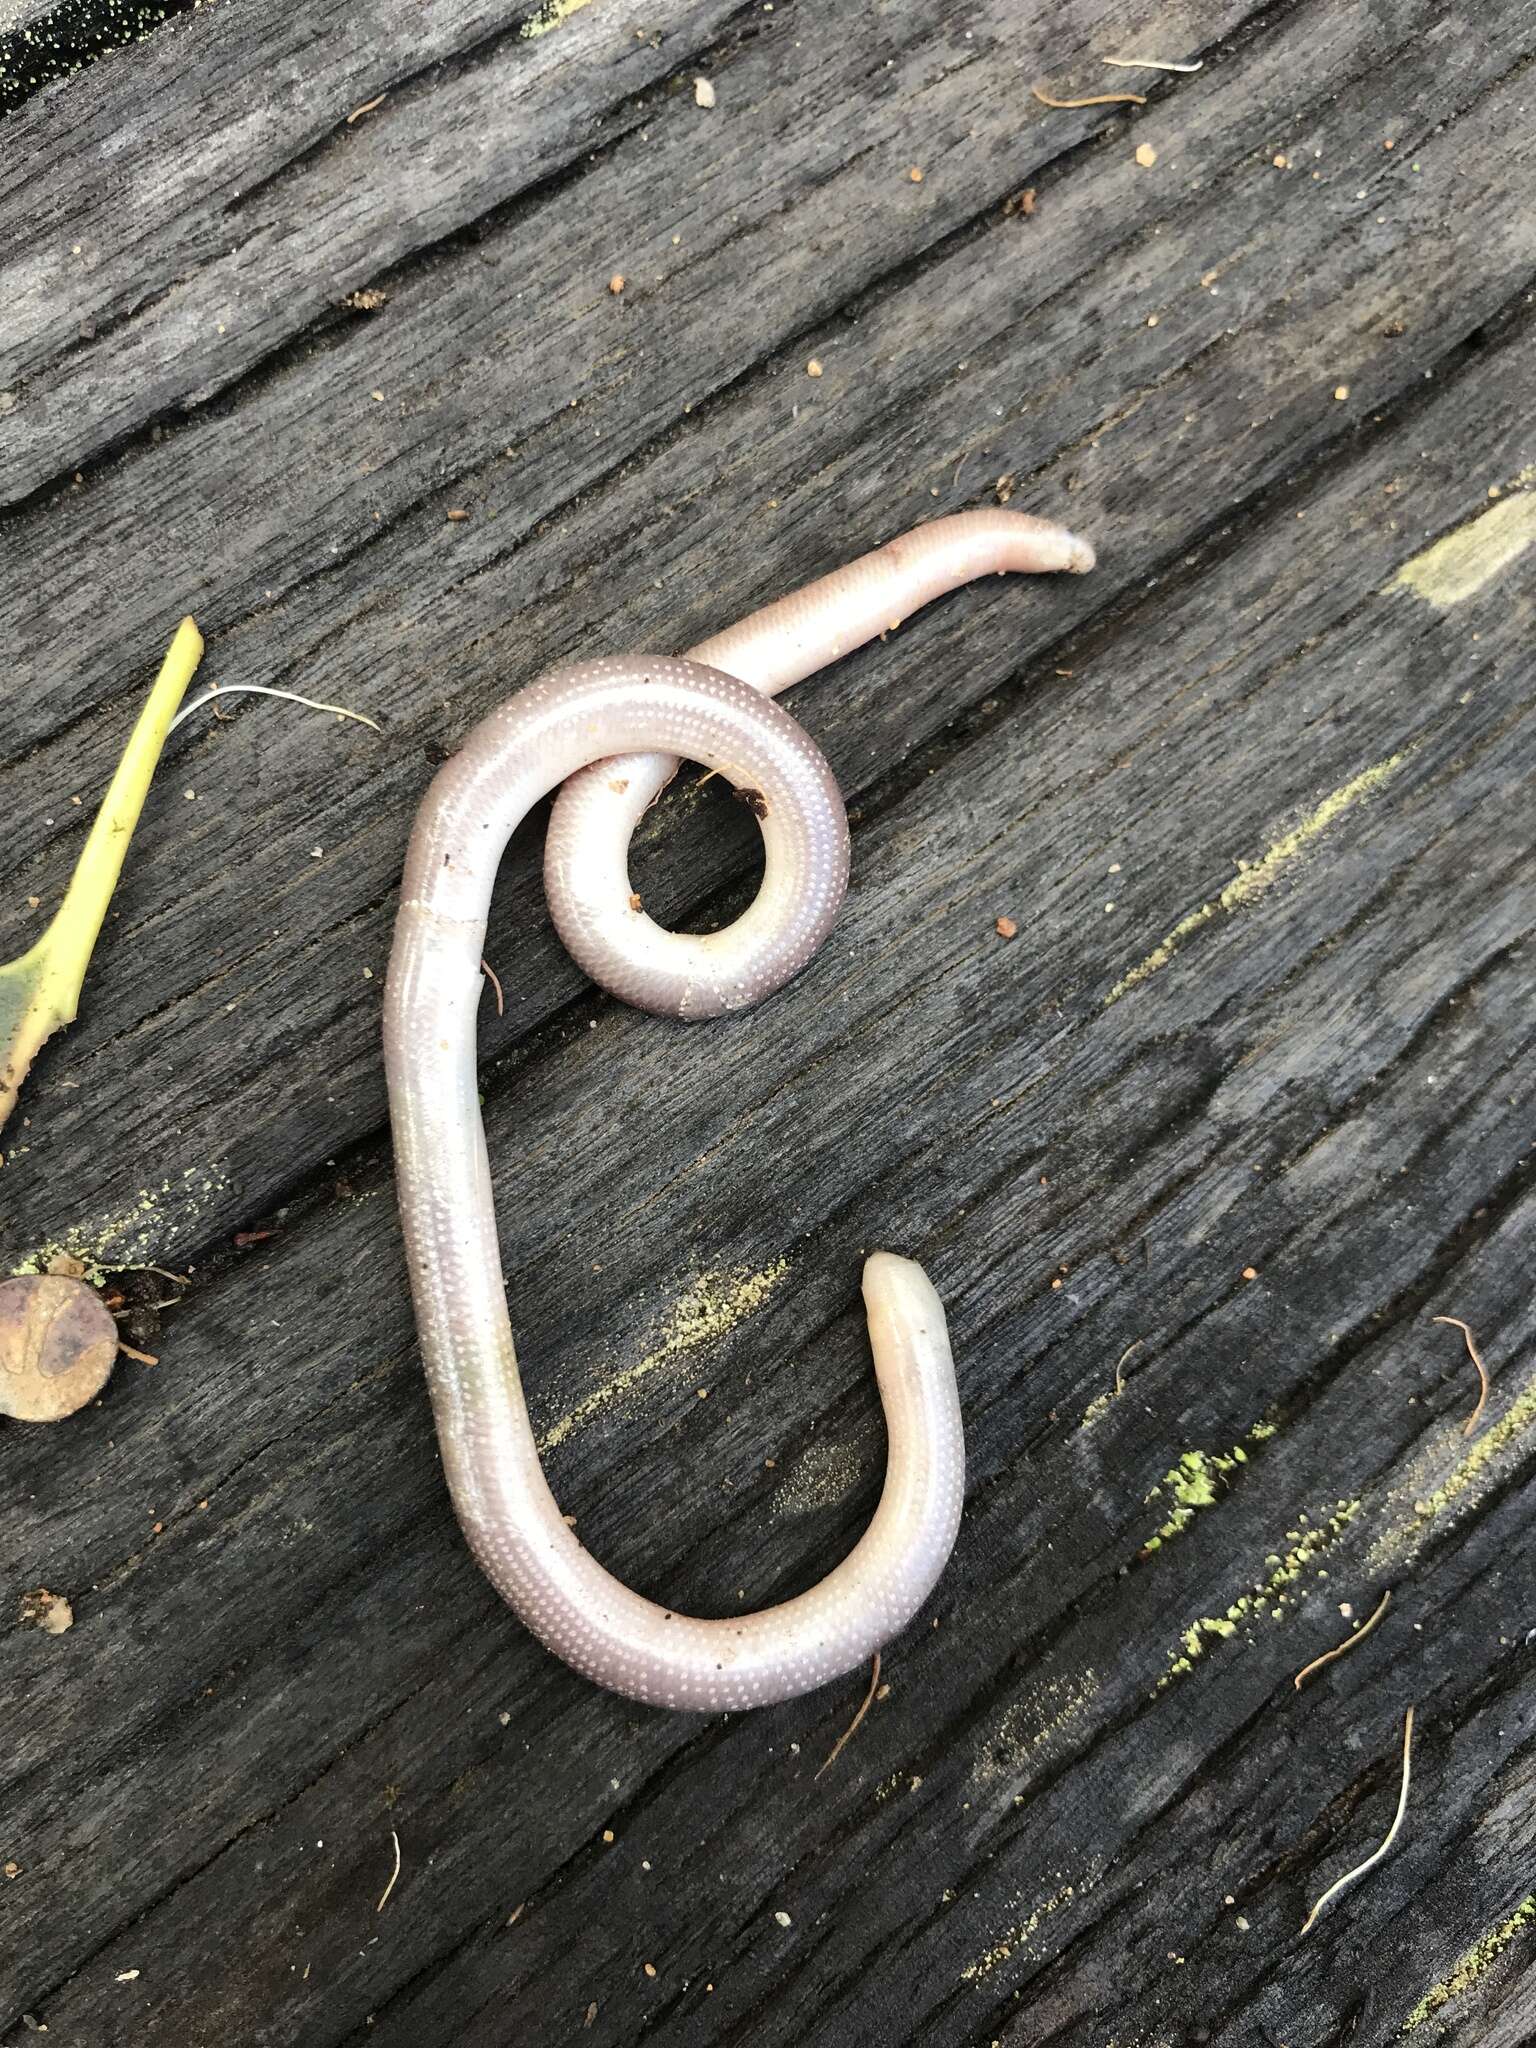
point(1015, 1937)
point(1272, 1595)
point(1459, 564)
point(1415, 1506)
point(1032, 1724)
point(824, 1474)
point(40, 992)
point(1473, 1964)
point(144, 1232)
point(1470, 1469)
point(1192, 1483)
point(550, 16)
point(1255, 878)
point(714, 1304)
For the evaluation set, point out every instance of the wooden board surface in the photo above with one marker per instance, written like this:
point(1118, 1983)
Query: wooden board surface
point(1249, 1090)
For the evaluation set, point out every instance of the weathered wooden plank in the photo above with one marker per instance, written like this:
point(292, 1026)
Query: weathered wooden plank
point(1319, 1077)
point(43, 41)
point(1196, 1229)
point(287, 776)
point(165, 281)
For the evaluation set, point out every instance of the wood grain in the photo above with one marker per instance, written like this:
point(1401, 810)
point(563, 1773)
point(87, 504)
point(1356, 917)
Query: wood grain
point(1250, 1088)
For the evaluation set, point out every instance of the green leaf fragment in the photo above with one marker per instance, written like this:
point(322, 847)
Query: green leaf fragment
point(40, 991)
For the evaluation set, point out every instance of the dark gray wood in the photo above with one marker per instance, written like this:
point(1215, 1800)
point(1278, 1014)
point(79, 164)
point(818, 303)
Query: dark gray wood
point(43, 41)
point(1079, 1816)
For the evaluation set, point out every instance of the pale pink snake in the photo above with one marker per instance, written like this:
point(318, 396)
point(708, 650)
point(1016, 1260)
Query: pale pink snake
point(710, 707)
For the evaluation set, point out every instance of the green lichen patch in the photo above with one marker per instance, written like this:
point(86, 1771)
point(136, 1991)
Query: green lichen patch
point(1272, 1594)
point(1200, 1479)
point(1473, 1964)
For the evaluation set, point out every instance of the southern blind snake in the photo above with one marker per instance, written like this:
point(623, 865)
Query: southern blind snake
point(611, 731)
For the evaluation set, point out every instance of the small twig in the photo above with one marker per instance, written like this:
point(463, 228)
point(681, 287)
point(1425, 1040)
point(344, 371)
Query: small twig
point(138, 1357)
point(1348, 1643)
point(393, 1875)
point(367, 107)
point(516, 1914)
point(1120, 1364)
point(1153, 64)
point(181, 1279)
point(853, 1726)
point(1371, 1862)
point(261, 690)
point(1482, 1372)
point(490, 974)
point(1097, 99)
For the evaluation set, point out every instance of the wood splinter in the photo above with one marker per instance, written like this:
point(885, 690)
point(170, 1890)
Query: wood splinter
point(1349, 1642)
point(393, 1875)
point(1350, 1876)
point(490, 974)
point(1455, 1322)
point(853, 1726)
point(1096, 99)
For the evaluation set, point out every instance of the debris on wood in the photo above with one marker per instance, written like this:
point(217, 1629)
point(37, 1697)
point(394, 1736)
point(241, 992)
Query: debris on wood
point(813, 367)
point(490, 974)
point(1470, 1425)
point(1096, 99)
point(1022, 203)
point(1146, 155)
point(916, 174)
point(1349, 1642)
point(368, 300)
point(217, 693)
point(853, 1727)
point(1341, 392)
point(394, 1875)
point(1003, 489)
point(1352, 1876)
point(138, 1357)
point(58, 1344)
point(50, 1612)
point(703, 93)
point(617, 282)
point(1153, 64)
point(40, 991)
point(1120, 1364)
point(457, 513)
point(367, 107)
point(1006, 928)
point(245, 1238)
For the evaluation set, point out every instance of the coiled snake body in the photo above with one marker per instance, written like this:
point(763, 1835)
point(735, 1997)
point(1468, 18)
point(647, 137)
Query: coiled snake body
point(633, 716)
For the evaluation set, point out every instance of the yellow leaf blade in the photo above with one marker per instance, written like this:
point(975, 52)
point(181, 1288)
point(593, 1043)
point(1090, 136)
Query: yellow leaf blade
point(40, 992)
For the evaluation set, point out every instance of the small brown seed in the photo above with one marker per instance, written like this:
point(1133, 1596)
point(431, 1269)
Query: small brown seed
point(58, 1345)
